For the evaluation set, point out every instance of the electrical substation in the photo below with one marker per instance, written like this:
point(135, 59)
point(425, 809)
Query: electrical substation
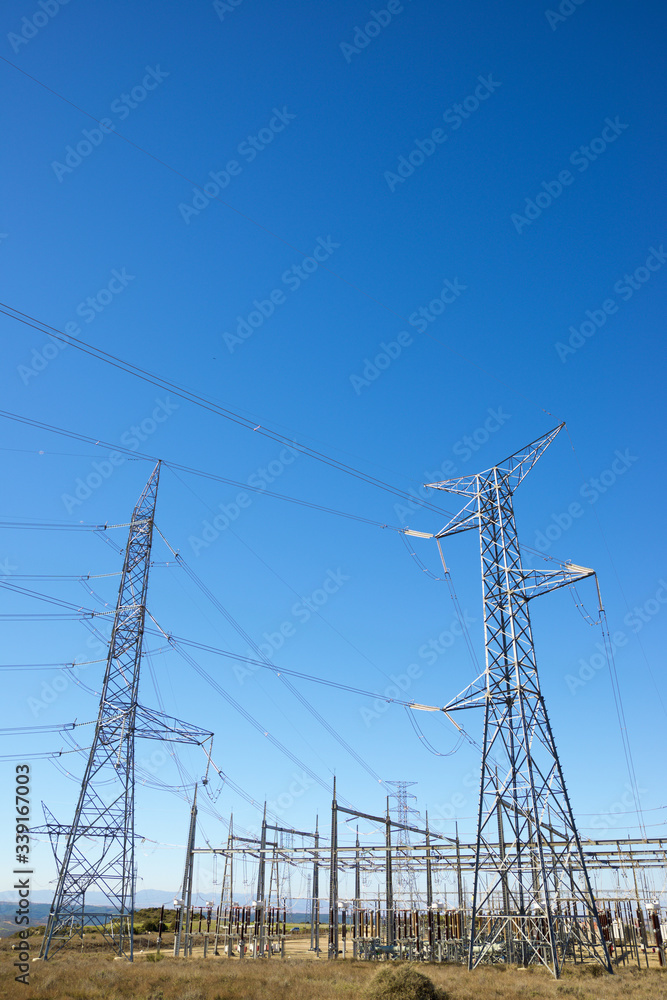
point(524, 888)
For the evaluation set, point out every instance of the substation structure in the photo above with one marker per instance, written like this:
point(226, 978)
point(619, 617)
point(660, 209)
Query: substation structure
point(532, 898)
point(97, 850)
point(412, 924)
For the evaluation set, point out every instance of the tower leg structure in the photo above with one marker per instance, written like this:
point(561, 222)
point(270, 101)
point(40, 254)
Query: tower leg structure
point(405, 879)
point(98, 854)
point(522, 792)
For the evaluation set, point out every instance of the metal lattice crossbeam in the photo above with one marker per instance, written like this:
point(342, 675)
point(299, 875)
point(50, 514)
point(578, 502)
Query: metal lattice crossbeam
point(526, 832)
point(99, 848)
point(98, 851)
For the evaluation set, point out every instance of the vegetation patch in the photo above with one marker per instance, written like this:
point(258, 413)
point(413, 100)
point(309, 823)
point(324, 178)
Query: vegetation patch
point(403, 982)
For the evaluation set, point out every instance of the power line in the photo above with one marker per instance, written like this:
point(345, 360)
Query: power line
point(276, 236)
point(267, 665)
point(231, 482)
point(45, 597)
point(70, 665)
point(241, 631)
point(59, 526)
point(278, 576)
point(208, 404)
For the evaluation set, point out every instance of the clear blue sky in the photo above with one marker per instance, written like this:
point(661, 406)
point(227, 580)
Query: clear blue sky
point(454, 190)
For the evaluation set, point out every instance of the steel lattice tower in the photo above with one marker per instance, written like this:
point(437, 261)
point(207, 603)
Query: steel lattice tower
point(99, 845)
point(526, 834)
point(405, 877)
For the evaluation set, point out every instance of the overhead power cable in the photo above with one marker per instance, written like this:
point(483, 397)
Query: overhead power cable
point(47, 617)
point(620, 708)
point(260, 558)
point(276, 236)
point(71, 664)
point(59, 525)
point(62, 576)
point(214, 477)
point(638, 638)
point(217, 604)
point(25, 730)
point(192, 643)
point(48, 666)
point(212, 406)
point(177, 645)
point(8, 585)
point(429, 746)
point(239, 708)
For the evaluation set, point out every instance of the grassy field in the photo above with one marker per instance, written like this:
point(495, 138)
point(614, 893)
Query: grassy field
point(95, 975)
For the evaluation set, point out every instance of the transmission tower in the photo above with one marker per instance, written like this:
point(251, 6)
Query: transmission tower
point(405, 878)
point(526, 835)
point(287, 840)
point(98, 853)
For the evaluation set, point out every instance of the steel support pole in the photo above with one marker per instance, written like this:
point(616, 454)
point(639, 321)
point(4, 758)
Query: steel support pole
point(333, 879)
point(389, 886)
point(315, 917)
point(181, 938)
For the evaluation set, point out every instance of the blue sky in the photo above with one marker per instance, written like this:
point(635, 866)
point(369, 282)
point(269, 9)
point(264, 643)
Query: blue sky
point(424, 243)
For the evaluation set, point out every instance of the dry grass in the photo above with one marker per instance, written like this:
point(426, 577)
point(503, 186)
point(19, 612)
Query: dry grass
point(97, 976)
point(403, 982)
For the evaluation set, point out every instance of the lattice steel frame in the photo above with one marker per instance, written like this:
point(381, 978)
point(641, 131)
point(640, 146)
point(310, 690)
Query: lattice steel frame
point(99, 845)
point(405, 879)
point(526, 833)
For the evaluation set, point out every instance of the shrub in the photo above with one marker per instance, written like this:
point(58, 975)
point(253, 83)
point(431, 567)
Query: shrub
point(402, 983)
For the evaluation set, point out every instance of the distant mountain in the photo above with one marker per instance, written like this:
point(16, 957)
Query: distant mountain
point(145, 897)
point(39, 912)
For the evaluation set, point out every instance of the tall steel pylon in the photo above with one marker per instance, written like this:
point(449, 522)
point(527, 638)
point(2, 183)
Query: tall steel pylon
point(405, 878)
point(526, 834)
point(98, 854)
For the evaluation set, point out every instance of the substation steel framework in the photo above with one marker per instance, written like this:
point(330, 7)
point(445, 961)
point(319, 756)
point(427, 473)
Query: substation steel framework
point(527, 839)
point(405, 878)
point(98, 851)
